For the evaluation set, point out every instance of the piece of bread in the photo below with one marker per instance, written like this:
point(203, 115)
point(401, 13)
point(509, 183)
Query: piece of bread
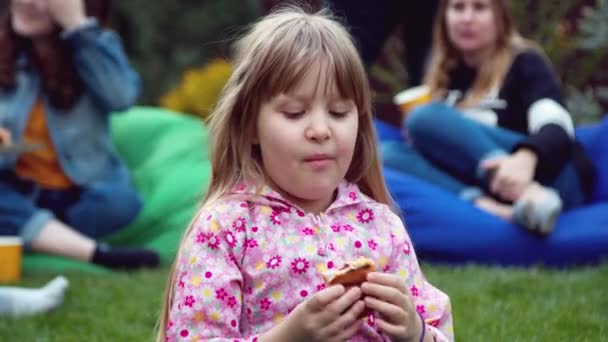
point(352, 273)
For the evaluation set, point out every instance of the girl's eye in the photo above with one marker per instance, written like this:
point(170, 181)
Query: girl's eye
point(293, 115)
point(338, 114)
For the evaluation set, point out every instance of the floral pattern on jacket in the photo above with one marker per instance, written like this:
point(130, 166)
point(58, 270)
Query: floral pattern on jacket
point(252, 257)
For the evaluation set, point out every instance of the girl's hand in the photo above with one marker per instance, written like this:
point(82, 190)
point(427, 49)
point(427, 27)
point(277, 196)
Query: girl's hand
point(329, 315)
point(69, 14)
point(388, 295)
point(5, 137)
point(512, 174)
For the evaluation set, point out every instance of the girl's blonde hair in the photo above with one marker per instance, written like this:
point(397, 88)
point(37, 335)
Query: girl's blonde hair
point(271, 59)
point(493, 70)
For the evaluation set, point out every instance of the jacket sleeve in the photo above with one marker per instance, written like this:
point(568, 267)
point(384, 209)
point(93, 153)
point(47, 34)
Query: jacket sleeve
point(207, 289)
point(103, 66)
point(430, 302)
point(550, 127)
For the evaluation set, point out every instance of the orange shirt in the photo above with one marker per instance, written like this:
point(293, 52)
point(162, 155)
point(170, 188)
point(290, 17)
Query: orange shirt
point(42, 165)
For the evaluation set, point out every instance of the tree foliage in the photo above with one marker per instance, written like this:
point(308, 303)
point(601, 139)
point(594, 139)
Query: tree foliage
point(164, 38)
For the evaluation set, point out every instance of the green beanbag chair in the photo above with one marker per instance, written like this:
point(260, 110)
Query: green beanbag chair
point(167, 154)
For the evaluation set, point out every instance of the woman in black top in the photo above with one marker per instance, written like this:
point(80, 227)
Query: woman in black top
point(500, 136)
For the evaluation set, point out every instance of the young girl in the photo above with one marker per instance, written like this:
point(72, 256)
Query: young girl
point(508, 145)
point(297, 190)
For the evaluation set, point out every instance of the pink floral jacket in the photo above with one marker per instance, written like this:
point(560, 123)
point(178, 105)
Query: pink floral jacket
point(252, 257)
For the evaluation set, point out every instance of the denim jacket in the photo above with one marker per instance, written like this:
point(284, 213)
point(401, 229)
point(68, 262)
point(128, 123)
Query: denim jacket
point(80, 134)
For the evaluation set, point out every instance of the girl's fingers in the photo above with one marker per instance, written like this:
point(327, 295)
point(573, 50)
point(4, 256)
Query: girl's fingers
point(387, 294)
point(387, 279)
point(395, 330)
point(392, 312)
point(345, 321)
point(323, 298)
point(343, 303)
point(347, 333)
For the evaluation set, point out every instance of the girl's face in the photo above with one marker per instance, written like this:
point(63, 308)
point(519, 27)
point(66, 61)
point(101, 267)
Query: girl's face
point(31, 18)
point(471, 25)
point(307, 140)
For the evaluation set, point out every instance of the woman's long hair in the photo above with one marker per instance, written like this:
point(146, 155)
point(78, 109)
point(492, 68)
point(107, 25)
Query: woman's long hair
point(269, 60)
point(59, 78)
point(492, 71)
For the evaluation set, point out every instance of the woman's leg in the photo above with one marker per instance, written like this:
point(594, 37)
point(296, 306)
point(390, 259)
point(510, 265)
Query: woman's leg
point(98, 211)
point(57, 238)
point(456, 143)
point(82, 208)
point(38, 227)
point(459, 144)
point(43, 232)
point(568, 186)
point(401, 156)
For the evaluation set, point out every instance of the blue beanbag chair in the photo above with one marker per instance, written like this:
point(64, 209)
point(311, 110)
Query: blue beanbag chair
point(447, 229)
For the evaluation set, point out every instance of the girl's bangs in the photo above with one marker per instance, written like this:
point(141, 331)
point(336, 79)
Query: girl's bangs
point(286, 66)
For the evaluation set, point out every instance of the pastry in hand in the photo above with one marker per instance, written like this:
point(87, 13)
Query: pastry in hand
point(353, 273)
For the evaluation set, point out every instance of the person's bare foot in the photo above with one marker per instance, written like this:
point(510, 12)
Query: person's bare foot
point(492, 206)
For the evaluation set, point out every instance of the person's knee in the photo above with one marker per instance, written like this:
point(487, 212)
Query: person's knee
point(124, 208)
point(423, 120)
point(102, 212)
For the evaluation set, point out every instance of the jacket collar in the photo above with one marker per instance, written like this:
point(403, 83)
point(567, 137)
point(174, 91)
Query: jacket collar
point(348, 194)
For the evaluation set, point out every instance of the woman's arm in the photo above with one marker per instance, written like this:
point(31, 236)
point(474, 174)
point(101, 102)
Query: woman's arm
point(550, 127)
point(103, 65)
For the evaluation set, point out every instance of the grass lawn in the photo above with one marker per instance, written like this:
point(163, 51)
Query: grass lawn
point(490, 304)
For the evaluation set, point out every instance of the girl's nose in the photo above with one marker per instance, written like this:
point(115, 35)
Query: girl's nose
point(318, 128)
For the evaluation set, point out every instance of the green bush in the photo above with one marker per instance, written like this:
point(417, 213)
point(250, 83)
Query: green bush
point(574, 34)
point(164, 38)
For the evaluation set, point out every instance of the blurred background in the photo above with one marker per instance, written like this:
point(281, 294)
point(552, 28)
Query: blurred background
point(180, 48)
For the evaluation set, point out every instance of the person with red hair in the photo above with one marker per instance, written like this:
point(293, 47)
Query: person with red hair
point(62, 183)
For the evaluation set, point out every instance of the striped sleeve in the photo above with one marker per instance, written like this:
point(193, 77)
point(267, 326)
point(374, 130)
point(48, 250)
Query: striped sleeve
point(550, 127)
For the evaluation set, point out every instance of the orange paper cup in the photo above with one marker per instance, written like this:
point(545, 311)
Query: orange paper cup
point(412, 98)
point(10, 258)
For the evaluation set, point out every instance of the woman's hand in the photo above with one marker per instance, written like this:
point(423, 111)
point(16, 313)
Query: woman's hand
point(69, 14)
point(5, 137)
point(388, 295)
point(329, 315)
point(511, 174)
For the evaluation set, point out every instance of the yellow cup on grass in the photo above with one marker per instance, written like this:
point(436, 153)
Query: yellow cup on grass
point(10, 258)
point(411, 98)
